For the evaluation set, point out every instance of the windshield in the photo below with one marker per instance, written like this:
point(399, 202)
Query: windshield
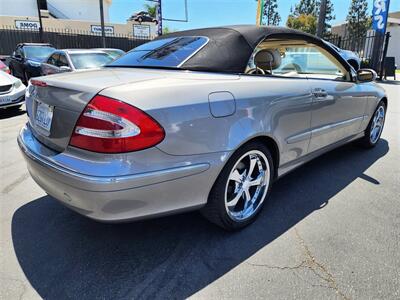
point(114, 53)
point(38, 52)
point(169, 52)
point(89, 60)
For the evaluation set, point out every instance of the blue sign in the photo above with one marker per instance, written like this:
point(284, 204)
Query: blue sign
point(380, 13)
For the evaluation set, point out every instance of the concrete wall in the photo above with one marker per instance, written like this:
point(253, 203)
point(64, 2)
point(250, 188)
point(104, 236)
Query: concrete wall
point(72, 9)
point(88, 10)
point(394, 43)
point(51, 24)
point(18, 7)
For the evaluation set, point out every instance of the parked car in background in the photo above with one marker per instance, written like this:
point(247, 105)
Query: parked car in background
point(352, 58)
point(143, 16)
point(114, 53)
point(181, 123)
point(4, 68)
point(12, 91)
point(74, 59)
point(26, 59)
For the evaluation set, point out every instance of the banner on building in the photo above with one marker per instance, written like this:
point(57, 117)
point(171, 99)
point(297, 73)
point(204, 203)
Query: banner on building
point(380, 13)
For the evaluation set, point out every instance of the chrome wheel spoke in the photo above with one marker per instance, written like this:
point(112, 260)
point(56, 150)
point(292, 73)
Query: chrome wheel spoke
point(236, 176)
point(253, 162)
point(244, 192)
point(258, 180)
point(235, 200)
point(377, 124)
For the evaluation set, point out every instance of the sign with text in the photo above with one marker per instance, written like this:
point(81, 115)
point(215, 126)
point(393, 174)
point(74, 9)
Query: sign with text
point(97, 29)
point(141, 31)
point(380, 13)
point(32, 25)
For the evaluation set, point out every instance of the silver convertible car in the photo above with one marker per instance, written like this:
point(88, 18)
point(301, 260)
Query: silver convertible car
point(202, 119)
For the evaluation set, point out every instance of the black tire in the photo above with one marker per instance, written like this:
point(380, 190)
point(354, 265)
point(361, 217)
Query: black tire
point(215, 210)
point(366, 141)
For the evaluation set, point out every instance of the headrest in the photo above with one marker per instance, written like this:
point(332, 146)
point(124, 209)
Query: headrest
point(268, 59)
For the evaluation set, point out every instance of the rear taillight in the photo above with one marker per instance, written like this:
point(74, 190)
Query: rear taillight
point(38, 83)
point(111, 126)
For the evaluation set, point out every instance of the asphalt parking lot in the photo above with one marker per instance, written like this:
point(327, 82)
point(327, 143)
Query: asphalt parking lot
point(330, 230)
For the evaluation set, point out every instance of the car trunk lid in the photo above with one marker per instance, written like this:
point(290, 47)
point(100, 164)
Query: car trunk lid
point(55, 103)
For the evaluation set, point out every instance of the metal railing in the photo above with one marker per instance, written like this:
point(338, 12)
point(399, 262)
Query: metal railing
point(64, 39)
point(370, 48)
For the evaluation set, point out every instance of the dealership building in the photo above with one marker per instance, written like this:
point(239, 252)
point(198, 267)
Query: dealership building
point(73, 15)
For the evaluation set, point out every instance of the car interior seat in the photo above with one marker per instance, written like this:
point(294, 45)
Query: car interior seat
point(268, 60)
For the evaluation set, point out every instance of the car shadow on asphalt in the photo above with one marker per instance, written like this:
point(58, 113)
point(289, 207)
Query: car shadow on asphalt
point(64, 255)
point(11, 112)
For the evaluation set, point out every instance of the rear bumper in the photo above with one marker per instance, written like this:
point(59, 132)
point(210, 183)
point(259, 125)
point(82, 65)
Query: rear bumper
point(120, 198)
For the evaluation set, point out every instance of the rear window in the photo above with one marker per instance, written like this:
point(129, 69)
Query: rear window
point(89, 60)
point(38, 52)
point(169, 52)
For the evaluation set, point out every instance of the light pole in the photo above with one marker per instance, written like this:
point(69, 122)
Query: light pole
point(103, 33)
point(40, 21)
point(159, 15)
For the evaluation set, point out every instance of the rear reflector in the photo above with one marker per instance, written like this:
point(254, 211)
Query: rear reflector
point(111, 126)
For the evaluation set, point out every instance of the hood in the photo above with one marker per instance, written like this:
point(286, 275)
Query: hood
point(6, 79)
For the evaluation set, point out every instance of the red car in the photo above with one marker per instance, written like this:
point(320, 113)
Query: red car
point(3, 67)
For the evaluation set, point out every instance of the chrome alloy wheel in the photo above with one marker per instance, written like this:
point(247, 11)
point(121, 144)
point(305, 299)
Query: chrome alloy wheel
point(247, 185)
point(377, 124)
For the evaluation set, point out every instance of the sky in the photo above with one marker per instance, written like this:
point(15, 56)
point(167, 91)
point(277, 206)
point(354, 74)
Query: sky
point(206, 13)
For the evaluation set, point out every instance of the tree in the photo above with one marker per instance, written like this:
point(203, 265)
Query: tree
point(306, 7)
point(312, 8)
point(167, 30)
point(270, 13)
point(151, 9)
point(303, 22)
point(358, 19)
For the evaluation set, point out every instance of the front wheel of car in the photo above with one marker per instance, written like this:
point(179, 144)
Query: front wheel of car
point(375, 127)
point(240, 190)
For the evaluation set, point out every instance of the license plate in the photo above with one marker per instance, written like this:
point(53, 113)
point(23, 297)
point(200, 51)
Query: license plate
point(44, 116)
point(5, 99)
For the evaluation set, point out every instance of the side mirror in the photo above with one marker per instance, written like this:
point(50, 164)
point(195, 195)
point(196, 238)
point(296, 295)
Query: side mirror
point(65, 69)
point(18, 56)
point(366, 75)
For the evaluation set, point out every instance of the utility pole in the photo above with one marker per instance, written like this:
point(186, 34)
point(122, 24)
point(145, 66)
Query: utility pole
point(159, 18)
point(103, 33)
point(40, 21)
point(321, 19)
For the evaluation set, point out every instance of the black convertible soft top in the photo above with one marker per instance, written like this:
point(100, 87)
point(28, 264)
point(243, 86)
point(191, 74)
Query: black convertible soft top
point(230, 47)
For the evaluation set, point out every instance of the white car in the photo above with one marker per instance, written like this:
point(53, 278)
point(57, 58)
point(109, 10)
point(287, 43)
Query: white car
point(12, 91)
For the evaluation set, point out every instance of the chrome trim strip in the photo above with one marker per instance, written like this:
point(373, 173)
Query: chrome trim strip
point(323, 129)
point(195, 52)
point(299, 137)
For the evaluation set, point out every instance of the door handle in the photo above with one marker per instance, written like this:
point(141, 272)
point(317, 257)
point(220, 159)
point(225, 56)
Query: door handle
point(320, 93)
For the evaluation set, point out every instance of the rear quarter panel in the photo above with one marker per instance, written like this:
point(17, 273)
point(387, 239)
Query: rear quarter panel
point(273, 107)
